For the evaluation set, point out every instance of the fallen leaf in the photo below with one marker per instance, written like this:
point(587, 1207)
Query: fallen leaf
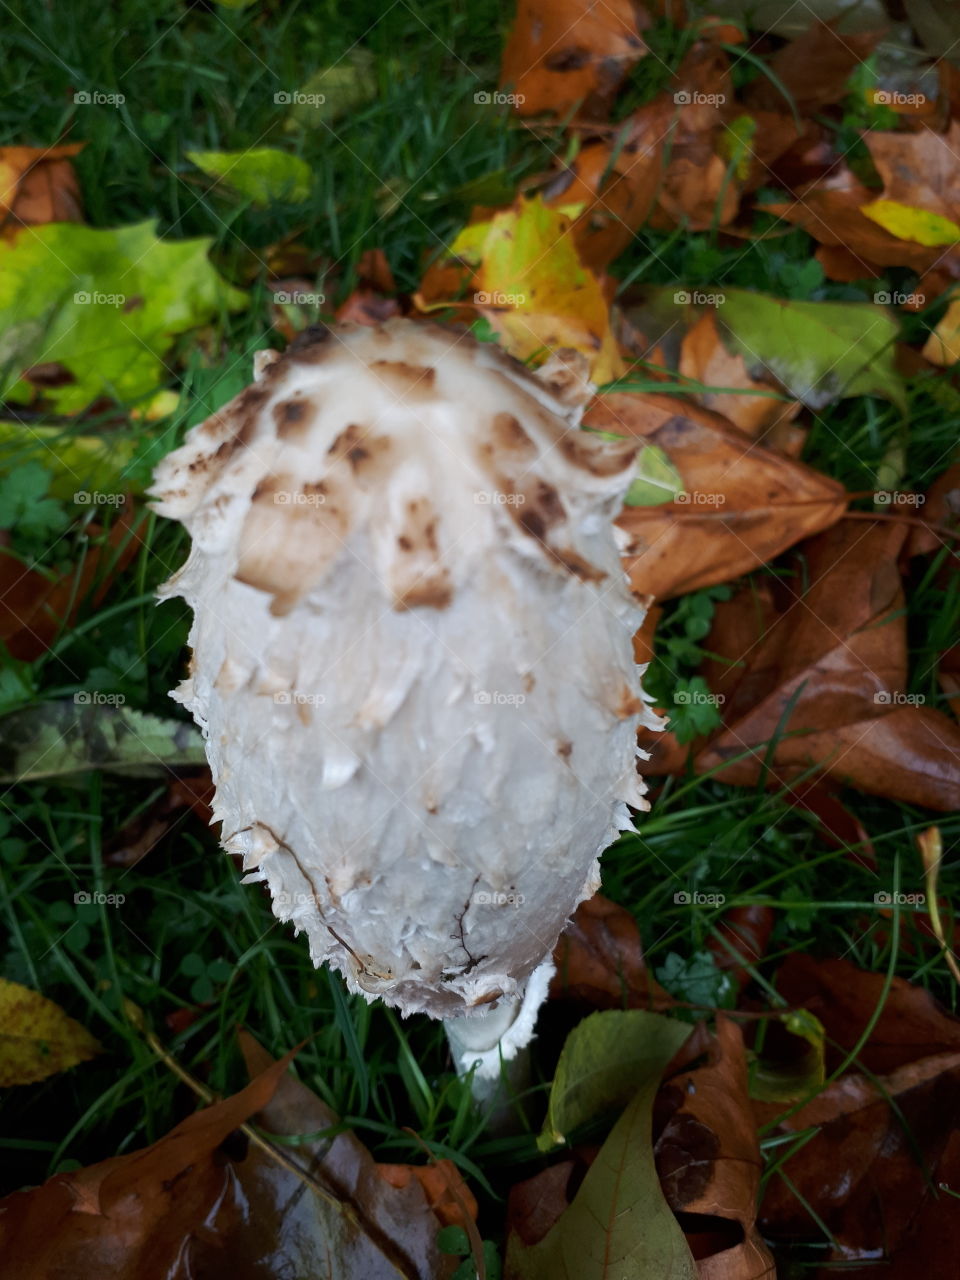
point(37, 1038)
point(942, 347)
point(443, 1185)
point(62, 739)
point(264, 175)
point(38, 185)
point(708, 1156)
point(819, 351)
point(813, 68)
point(599, 960)
point(533, 289)
point(559, 54)
point(920, 168)
point(835, 658)
point(601, 1061)
point(104, 304)
point(909, 223)
point(705, 359)
point(619, 1222)
point(333, 92)
point(744, 504)
point(133, 1215)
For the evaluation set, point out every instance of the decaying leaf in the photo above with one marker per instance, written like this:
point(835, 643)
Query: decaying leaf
point(708, 1158)
point(37, 1039)
point(599, 960)
point(38, 185)
point(742, 504)
point(264, 175)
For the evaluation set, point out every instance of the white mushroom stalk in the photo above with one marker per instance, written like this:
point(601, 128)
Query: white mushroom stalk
point(412, 660)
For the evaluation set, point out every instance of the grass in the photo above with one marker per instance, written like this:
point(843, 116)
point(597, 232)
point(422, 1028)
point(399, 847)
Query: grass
point(195, 950)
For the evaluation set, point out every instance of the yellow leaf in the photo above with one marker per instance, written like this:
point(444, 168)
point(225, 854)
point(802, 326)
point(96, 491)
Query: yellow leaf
point(943, 345)
point(908, 223)
point(533, 288)
point(37, 1038)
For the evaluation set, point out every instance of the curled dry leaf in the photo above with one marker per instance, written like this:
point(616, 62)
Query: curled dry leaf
point(836, 658)
point(708, 1157)
point(745, 504)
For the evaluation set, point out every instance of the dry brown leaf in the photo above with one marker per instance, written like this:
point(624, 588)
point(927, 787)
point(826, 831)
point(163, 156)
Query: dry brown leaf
point(599, 959)
point(814, 68)
point(563, 52)
point(708, 1157)
point(746, 503)
point(704, 358)
point(839, 649)
point(38, 185)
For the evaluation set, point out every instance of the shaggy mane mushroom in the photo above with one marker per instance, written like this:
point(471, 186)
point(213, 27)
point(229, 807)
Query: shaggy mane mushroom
point(412, 659)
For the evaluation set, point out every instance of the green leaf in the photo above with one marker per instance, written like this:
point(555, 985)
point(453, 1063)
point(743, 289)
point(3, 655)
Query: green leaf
point(788, 1080)
point(24, 505)
point(619, 1226)
point(697, 980)
point(60, 739)
point(105, 304)
point(264, 174)
point(603, 1060)
point(74, 461)
point(657, 479)
point(819, 351)
point(332, 92)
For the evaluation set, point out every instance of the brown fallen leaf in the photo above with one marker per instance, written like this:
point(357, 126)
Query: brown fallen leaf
point(813, 68)
point(744, 935)
point(708, 1158)
point(705, 359)
point(877, 1148)
point(911, 1024)
point(599, 961)
point(919, 168)
point(745, 503)
point(561, 53)
point(38, 185)
point(133, 1215)
point(836, 657)
point(443, 1184)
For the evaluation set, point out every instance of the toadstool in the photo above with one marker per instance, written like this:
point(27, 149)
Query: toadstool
point(412, 659)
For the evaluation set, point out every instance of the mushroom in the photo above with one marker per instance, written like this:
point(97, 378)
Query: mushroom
point(412, 659)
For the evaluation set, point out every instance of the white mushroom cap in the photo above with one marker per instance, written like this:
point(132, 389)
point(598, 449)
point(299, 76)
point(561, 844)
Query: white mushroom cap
point(412, 653)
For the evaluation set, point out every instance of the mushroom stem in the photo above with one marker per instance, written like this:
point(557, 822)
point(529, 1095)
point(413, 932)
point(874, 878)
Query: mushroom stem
point(497, 1043)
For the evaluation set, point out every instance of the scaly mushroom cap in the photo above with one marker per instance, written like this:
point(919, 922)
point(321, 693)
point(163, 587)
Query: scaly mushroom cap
point(412, 655)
